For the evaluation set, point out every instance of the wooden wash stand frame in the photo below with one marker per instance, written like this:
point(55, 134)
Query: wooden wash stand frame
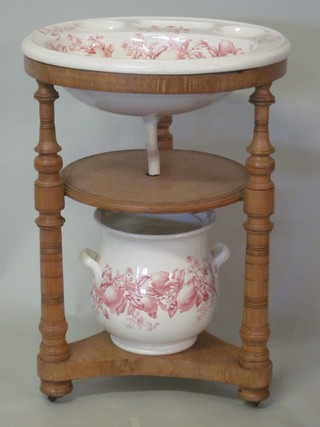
point(59, 362)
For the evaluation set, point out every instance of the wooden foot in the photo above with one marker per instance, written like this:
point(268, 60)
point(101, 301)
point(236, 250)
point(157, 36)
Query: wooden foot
point(55, 389)
point(254, 396)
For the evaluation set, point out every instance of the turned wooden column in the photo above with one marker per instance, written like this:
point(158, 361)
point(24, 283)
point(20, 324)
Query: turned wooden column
point(49, 201)
point(258, 205)
point(165, 140)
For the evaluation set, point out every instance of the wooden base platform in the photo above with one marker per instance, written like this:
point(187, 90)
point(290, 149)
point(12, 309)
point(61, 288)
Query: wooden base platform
point(208, 359)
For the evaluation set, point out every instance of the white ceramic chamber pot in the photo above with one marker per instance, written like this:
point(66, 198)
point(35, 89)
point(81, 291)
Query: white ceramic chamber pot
point(155, 279)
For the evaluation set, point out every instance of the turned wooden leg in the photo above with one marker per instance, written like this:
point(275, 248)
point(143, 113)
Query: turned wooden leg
point(49, 201)
point(258, 205)
point(165, 140)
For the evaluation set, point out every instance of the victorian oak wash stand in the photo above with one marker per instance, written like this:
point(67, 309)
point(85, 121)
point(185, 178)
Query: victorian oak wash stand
point(248, 367)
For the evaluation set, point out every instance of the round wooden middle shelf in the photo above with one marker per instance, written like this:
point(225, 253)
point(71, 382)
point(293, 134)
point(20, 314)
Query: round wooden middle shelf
point(189, 181)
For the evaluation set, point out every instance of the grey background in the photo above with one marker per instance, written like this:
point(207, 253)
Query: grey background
point(225, 129)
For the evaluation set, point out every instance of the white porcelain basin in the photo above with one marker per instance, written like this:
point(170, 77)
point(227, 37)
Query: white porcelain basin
point(158, 46)
point(154, 45)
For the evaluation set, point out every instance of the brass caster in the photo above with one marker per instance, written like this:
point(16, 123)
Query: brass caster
point(253, 404)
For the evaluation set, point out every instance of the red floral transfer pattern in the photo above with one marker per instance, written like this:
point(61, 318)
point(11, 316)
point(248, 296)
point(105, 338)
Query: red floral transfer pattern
point(136, 47)
point(93, 46)
point(137, 297)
